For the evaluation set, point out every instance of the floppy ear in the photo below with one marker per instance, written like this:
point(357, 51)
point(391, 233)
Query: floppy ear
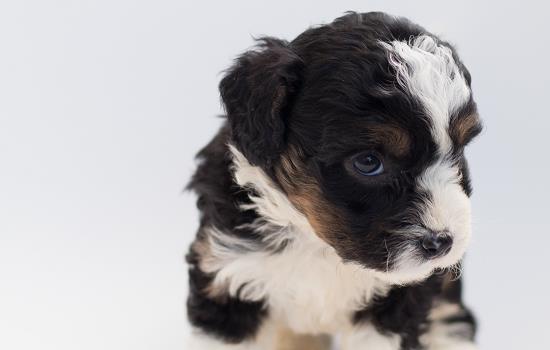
point(256, 92)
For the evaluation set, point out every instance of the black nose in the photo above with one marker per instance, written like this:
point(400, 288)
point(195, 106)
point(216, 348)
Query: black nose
point(436, 244)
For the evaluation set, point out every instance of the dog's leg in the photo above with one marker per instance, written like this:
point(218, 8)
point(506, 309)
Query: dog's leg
point(366, 337)
point(451, 327)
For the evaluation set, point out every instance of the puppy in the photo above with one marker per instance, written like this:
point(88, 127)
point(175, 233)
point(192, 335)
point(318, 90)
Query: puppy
point(335, 198)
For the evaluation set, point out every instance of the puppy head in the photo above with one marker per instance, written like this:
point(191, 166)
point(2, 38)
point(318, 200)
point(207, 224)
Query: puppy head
point(363, 124)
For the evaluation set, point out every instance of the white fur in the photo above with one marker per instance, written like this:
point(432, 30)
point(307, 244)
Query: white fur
point(368, 338)
point(278, 216)
point(449, 207)
point(429, 72)
point(307, 286)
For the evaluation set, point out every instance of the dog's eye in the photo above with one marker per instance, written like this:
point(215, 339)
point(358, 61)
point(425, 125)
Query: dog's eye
point(368, 164)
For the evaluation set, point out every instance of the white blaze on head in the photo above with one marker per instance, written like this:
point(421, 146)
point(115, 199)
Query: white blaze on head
point(428, 71)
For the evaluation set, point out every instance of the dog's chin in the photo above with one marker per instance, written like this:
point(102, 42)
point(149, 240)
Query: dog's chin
point(411, 268)
point(404, 276)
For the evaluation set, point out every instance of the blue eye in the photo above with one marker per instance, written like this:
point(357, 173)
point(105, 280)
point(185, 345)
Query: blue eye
point(368, 164)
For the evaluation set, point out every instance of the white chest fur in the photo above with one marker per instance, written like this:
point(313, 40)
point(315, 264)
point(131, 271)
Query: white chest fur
point(306, 286)
point(312, 291)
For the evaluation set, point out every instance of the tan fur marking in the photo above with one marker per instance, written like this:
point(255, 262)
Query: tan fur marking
point(202, 248)
point(217, 291)
point(462, 127)
point(288, 340)
point(304, 193)
point(395, 139)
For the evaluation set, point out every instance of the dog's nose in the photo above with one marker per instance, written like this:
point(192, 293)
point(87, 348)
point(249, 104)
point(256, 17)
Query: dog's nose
point(436, 244)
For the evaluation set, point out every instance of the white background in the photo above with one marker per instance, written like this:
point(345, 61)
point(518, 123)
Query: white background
point(104, 103)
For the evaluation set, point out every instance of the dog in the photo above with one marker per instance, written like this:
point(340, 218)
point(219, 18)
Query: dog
point(334, 201)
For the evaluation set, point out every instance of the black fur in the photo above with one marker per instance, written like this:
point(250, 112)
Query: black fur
point(218, 195)
point(403, 311)
point(227, 318)
point(453, 294)
point(256, 92)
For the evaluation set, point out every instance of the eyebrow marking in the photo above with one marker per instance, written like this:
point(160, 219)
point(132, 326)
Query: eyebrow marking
point(428, 71)
point(395, 138)
point(464, 128)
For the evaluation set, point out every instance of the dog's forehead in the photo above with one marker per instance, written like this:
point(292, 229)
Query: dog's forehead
point(428, 71)
point(361, 75)
point(436, 95)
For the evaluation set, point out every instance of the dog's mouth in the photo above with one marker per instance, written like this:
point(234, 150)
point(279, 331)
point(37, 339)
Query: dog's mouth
point(419, 253)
